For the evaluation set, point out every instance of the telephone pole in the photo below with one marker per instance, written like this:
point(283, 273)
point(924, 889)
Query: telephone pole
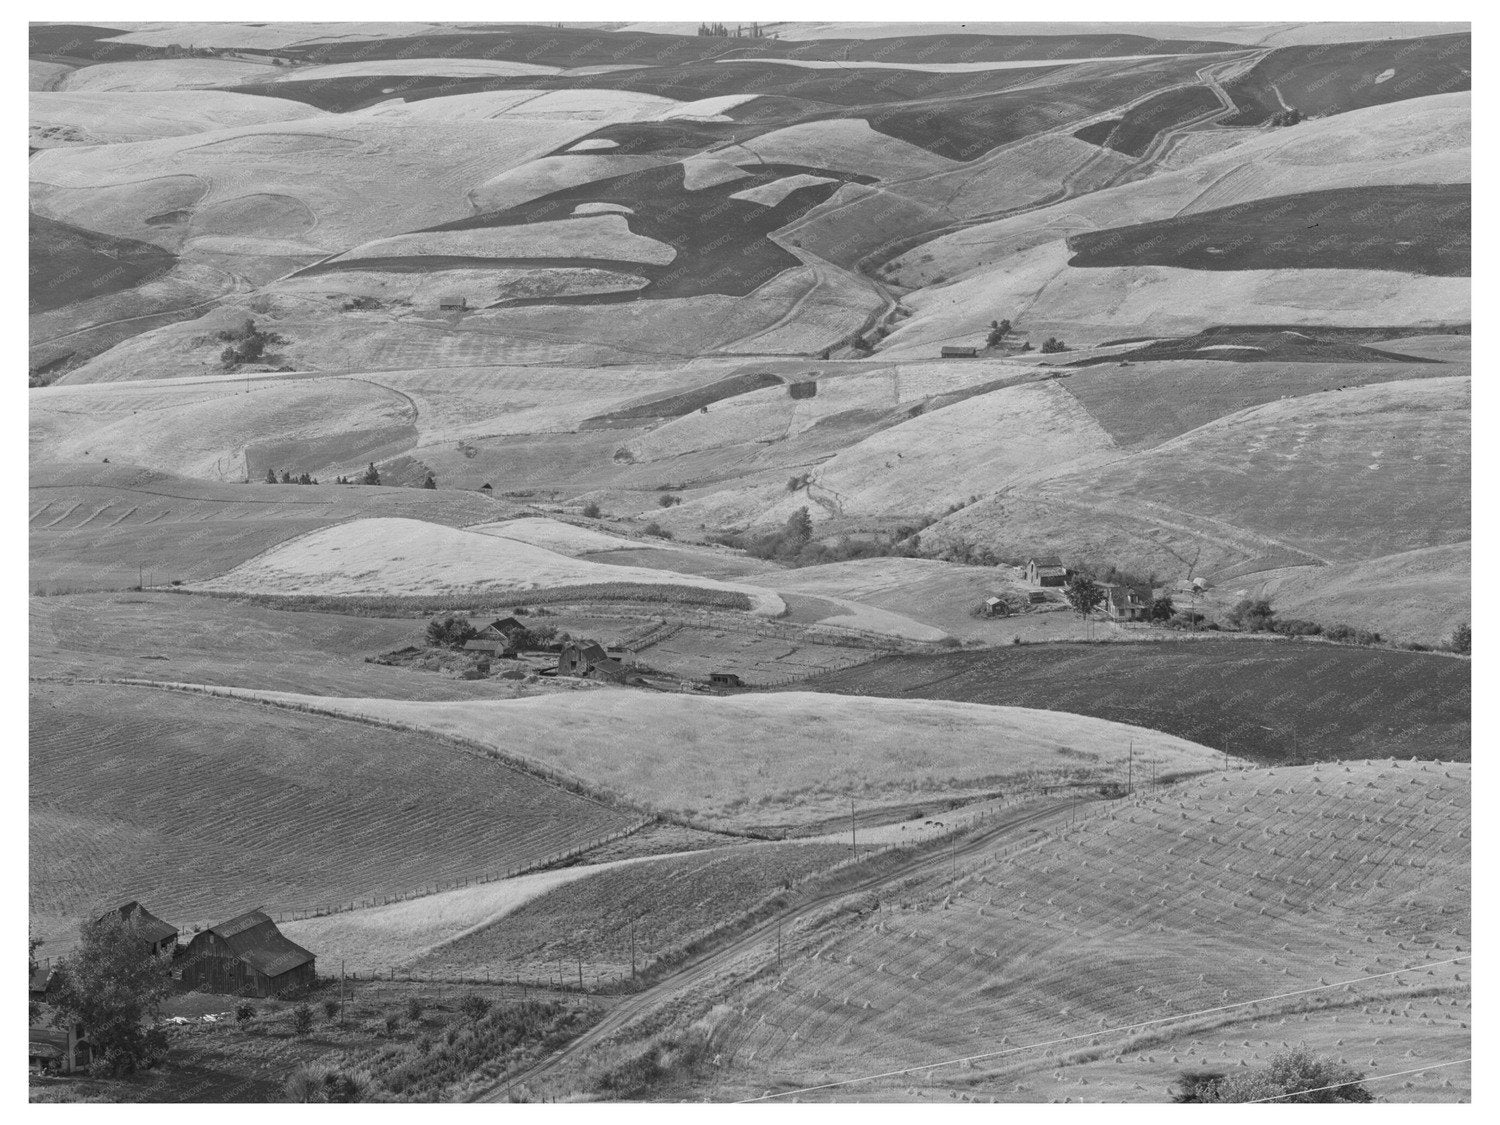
point(1130, 766)
point(853, 831)
point(632, 951)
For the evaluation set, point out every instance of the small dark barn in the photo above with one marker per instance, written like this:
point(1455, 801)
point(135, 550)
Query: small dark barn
point(725, 679)
point(160, 936)
point(1046, 570)
point(951, 352)
point(578, 658)
point(247, 954)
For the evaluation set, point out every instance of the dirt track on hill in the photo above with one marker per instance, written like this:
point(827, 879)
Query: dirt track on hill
point(703, 969)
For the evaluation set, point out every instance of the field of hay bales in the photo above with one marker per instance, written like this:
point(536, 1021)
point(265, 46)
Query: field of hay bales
point(1273, 886)
point(809, 754)
point(1270, 701)
point(207, 807)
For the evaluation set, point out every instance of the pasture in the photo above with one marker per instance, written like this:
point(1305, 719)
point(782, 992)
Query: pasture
point(206, 807)
point(1267, 701)
point(1231, 888)
point(776, 762)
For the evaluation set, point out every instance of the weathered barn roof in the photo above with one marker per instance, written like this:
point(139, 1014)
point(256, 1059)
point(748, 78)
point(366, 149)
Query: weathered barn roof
point(592, 651)
point(41, 977)
point(142, 922)
point(254, 939)
point(1045, 560)
point(484, 646)
point(504, 625)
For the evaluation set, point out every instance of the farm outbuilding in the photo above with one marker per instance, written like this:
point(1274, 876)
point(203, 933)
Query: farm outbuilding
point(247, 954)
point(1046, 570)
point(952, 352)
point(725, 679)
point(805, 388)
point(56, 1050)
point(160, 936)
point(487, 488)
point(996, 607)
point(453, 304)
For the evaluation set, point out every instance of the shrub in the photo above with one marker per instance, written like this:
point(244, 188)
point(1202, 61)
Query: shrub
point(414, 1009)
point(591, 510)
point(331, 1009)
point(1296, 627)
point(1252, 615)
point(392, 1023)
point(666, 500)
point(1053, 344)
point(1349, 635)
point(244, 1012)
point(656, 529)
point(302, 1019)
point(475, 1007)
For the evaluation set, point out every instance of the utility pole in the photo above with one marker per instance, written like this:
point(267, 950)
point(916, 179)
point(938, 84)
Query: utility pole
point(1130, 766)
point(580, 970)
point(341, 992)
point(632, 951)
point(853, 832)
point(778, 945)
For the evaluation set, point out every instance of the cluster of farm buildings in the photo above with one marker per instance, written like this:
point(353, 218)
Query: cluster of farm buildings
point(245, 956)
point(1123, 602)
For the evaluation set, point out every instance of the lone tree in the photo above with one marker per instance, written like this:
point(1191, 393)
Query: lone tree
point(799, 530)
point(302, 1020)
point(474, 1006)
point(1295, 1075)
point(1462, 638)
point(113, 985)
point(1162, 608)
point(1254, 615)
point(429, 482)
point(270, 476)
point(450, 631)
point(372, 475)
point(1083, 594)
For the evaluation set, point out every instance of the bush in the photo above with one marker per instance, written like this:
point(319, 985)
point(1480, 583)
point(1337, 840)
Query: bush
point(244, 1012)
point(475, 1007)
point(667, 500)
point(1349, 635)
point(656, 529)
point(591, 510)
point(414, 1009)
point(1296, 627)
point(1052, 344)
point(1252, 615)
point(302, 1019)
point(392, 1024)
point(331, 1009)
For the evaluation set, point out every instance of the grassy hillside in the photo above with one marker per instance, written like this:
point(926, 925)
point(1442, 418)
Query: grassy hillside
point(1268, 701)
point(206, 807)
point(809, 754)
point(1238, 887)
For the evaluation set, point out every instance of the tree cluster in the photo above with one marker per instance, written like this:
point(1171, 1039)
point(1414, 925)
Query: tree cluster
point(999, 329)
point(1052, 344)
point(287, 478)
point(113, 985)
point(1292, 1076)
point(1286, 117)
point(246, 345)
point(450, 631)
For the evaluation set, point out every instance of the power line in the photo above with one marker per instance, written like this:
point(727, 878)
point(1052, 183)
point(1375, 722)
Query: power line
point(1340, 1085)
point(1092, 1034)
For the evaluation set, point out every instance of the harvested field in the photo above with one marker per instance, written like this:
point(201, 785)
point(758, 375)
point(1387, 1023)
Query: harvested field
point(663, 902)
point(393, 557)
point(1321, 80)
point(206, 807)
point(114, 117)
point(96, 529)
point(1213, 692)
point(591, 236)
point(1339, 475)
point(1260, 884)
point(1155, 400)
point(1414, 228)
point(788, 759)
point(165, 74)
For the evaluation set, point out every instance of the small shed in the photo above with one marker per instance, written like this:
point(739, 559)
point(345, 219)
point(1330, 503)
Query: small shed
point(487, 489)
point(245, 955)
point(1037, 597)
point(725, 679)
point(996, 607)
point(160, 936)
point(42, 982)
point(453, 304)
point(1046, 570)
point(803, 388)
point(954, 352)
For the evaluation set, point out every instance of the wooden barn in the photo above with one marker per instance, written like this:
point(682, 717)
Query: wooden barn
point(1046, 570)
point(725, 679)
point(453, 304)
point(952, 352)
point(160, 936)
point(247, 955)
point(579, 658)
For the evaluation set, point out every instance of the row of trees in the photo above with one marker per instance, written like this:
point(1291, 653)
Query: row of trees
point(246, 345)
point(369, 476)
